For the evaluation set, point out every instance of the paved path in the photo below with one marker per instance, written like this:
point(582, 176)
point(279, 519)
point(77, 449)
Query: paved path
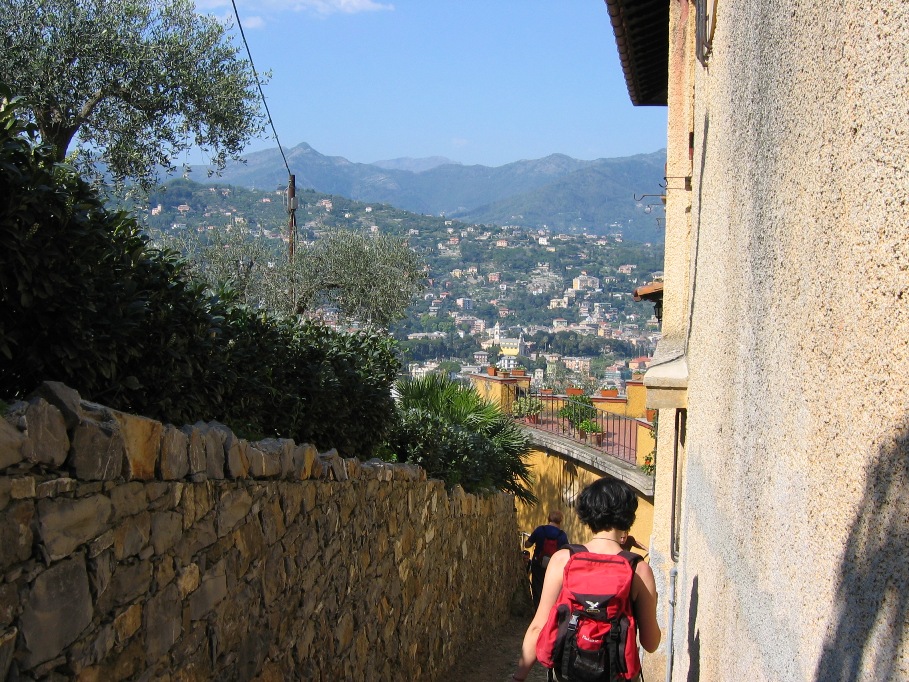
point(494, 657)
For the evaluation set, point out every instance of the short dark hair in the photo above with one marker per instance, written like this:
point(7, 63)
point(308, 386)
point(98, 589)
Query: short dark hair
point(606, 504)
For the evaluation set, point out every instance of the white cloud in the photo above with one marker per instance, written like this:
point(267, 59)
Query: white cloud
point(459, 142)
point(253, 22)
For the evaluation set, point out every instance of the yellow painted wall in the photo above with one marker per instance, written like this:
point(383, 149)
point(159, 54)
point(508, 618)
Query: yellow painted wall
point(645, 442)
point(558, 483)
point(500, 390)
point(617, 406)
point(637, 398)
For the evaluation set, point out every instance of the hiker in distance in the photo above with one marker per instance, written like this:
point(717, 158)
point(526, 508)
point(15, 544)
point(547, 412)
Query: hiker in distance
point(546, 540)
point(606, 593)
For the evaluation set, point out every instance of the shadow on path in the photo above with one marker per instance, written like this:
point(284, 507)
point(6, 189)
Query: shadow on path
point(494, 656)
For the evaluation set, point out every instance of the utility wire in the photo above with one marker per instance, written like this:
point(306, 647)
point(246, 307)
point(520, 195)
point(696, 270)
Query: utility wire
point(259, 85)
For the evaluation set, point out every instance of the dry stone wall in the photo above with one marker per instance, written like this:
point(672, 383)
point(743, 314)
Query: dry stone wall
point(130, 549)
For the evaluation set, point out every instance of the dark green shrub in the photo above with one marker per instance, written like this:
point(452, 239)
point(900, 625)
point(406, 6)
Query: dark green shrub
point(577, 410)
point(86, 301)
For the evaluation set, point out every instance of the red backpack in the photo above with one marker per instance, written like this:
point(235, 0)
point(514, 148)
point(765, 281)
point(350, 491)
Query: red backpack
point(550, 547)
point(591, 635)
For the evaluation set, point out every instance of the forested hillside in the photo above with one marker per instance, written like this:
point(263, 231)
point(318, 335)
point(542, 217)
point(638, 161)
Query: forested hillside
point(557, 191)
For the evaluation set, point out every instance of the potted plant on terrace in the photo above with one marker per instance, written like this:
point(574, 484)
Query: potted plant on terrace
point(576, 410)
point(589, 426)
point(529, 408)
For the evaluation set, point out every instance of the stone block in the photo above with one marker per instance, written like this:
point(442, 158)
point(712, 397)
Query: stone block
point(101, 543)
point(9, 603)
point(12, 441)
point(304, 455)
point(209, 594)
point(236, 458)
point(128, 622)
point(131, 536)
point(354, 469)
point(174, 462)
point(101, 570)
point(95, 411)
point(319, 469)
point(97, 451)
point(103, 643)
point(142, 444)
point(47, 442)
point(233, 507)
point(280, 451)
point(7, 648)
point(163, 623)
point(344, 632)
point(58, 608)
point(166, 528)
point(188, 580)
point(250, 542)
point(272, 520)
point(213, 437)
point(334, 464)
point(291, 500)
point(128, 499)
point(274, 577)
point(126, 585)
point(165, 572)
point(22, 487)
point(196, 449)
point(264, 462)
point(16, 533)
point(65, 524)
point(170, 497)
point(56, 486)
point(62, 397)
point(201, 536)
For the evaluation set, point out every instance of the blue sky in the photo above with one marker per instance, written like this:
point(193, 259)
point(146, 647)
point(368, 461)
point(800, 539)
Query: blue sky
point(478, 81)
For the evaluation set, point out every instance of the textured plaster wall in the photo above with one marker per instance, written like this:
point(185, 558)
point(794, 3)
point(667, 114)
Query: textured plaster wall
point(796, 483)
point(678, 247)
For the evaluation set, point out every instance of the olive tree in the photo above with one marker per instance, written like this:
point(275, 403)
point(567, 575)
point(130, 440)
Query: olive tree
point(370, 279)
point(131, 83)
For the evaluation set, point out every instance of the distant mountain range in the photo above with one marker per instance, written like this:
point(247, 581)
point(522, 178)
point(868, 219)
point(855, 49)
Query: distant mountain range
point(557, 191)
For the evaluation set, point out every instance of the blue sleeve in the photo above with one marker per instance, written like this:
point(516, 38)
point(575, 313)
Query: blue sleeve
point(536, 535)
point(563, 538)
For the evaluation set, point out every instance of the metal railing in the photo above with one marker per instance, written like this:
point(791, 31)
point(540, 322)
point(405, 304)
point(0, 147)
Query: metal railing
point(580, 420)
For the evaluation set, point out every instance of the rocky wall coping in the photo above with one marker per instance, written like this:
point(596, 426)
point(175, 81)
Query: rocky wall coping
point(55, 439)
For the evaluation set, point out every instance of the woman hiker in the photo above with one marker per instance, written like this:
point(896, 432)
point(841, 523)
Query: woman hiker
point(607, 507)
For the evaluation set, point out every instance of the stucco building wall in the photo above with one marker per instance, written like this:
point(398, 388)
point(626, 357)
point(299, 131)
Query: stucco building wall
point(795, 505)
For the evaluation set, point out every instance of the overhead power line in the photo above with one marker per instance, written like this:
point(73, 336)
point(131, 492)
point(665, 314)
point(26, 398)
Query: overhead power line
point(259, 85)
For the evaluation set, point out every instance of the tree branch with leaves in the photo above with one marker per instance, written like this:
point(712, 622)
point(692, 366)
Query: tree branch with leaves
point(131, 83)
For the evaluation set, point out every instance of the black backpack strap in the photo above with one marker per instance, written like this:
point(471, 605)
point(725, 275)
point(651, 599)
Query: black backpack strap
point(574, 549)
point(632, 558)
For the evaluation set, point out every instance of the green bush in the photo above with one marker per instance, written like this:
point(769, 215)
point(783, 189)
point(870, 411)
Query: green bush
point(457, 436)
point(86, 301)
point(576, 410)
point(527, 406)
